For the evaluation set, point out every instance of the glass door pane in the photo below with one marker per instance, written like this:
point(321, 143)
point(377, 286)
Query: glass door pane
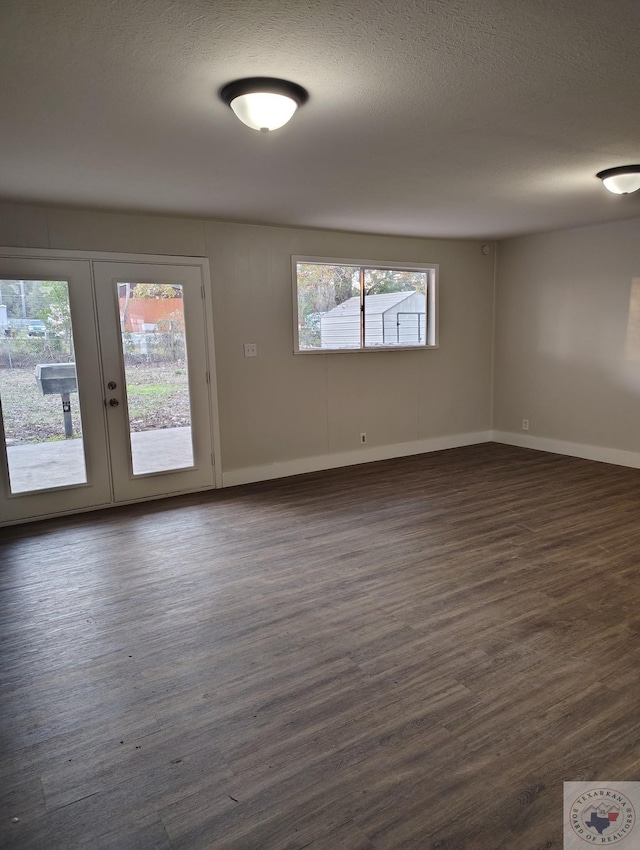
point(154, 353)
point(39, 387)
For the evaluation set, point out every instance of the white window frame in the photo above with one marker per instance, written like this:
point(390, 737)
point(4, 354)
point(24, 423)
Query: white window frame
point(432, 270)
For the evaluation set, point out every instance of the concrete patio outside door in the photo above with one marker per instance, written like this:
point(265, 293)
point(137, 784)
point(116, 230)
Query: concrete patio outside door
point(61, 463)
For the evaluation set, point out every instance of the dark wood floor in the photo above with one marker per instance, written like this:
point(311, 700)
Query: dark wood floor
point(408, 655)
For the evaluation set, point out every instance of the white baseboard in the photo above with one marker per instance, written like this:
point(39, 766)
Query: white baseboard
point(562, 447)
point(250, 474)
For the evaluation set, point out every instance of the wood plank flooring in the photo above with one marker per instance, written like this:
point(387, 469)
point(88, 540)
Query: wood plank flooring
point(406, 655)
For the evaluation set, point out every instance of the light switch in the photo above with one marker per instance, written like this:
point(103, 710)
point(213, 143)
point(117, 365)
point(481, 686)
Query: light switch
point(250, 349)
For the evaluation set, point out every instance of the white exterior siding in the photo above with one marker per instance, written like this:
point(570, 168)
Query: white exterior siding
point(397, 318)
point(341, 331)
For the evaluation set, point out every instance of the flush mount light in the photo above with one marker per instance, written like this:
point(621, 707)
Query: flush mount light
point(621, 180)
point(263, 103)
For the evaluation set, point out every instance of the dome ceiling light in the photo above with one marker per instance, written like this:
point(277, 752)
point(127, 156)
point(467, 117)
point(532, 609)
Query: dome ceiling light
point(622, 180)
point(264, 103)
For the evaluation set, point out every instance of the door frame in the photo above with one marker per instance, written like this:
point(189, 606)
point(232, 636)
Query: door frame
point(202, 263)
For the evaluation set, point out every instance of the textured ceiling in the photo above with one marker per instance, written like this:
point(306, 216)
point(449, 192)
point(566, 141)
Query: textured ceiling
point(479, 118)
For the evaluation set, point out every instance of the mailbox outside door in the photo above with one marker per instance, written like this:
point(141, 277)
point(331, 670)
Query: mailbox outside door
point(59, 378)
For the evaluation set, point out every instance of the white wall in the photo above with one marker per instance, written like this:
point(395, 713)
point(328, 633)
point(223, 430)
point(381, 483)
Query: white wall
point(298, 412)
point(566, 357)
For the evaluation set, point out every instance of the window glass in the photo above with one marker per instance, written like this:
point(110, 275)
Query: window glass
point(348, 306)
point(395, 303)
point(328, 305)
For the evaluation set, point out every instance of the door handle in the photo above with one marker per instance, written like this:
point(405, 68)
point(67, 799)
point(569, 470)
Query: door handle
point(113, 402)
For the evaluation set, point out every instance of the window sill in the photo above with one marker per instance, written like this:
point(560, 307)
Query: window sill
point(370, 350)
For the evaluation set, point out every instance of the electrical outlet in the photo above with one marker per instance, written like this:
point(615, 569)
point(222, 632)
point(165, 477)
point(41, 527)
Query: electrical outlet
point(250, 349)
point(525, 424)
point(363, 438)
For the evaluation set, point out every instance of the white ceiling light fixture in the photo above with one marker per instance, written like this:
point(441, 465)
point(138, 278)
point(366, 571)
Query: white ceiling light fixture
point(264, 103)
point(622, 180)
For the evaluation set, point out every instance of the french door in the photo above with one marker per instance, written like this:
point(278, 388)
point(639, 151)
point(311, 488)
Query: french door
point(105, 384)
